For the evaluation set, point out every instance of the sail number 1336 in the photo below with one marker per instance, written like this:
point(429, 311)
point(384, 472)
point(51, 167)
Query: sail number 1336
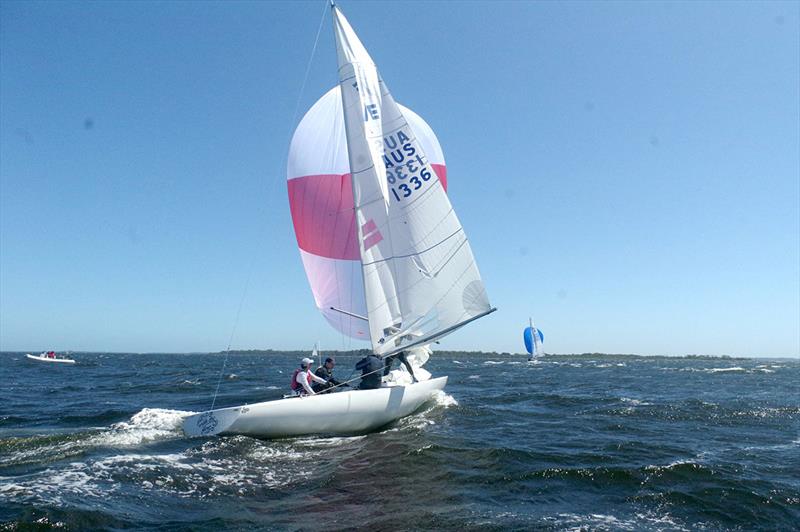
point(410, 182)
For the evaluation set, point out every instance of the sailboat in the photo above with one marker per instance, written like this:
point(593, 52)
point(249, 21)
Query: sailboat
point(534, 338)
point(386, 256)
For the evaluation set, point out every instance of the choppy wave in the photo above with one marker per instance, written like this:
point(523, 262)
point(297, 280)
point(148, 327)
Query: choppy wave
point(599, 521)
point(719, 370)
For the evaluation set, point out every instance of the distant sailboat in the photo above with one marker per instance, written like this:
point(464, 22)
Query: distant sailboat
point(315, 354)
point(534, 338)
point(385, 254)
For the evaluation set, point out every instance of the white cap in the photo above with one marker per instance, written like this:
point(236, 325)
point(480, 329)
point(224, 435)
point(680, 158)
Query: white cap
point(307, 361)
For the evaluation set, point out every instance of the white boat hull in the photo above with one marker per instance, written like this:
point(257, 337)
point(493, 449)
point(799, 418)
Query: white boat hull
point(351, 412)
point(55, 360)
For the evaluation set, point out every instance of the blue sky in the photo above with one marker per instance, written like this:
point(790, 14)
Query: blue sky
point(628, 173)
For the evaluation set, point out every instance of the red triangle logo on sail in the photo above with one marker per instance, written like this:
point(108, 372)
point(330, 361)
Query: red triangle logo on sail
point(371, 235)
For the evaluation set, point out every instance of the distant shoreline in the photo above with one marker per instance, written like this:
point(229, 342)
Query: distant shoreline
point(462, 354)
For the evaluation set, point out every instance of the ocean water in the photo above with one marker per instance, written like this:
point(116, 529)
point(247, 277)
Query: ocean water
point(570, 443)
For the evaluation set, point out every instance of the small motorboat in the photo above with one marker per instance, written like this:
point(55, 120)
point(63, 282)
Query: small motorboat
point(45, 358)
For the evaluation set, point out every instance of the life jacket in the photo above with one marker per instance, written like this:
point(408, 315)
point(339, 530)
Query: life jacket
point(296, 385)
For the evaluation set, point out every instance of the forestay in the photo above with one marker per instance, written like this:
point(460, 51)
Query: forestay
point(420, 278)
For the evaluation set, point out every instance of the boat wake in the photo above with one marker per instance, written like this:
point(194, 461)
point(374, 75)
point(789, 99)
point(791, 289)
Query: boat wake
point(444, 399)
point(63, 473)
point(221, 467)
point(147, 425)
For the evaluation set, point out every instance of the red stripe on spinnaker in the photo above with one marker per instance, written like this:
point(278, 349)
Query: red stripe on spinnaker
point(323, 215)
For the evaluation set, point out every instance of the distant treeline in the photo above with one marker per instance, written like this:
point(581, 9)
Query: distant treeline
point(364, 352)
point(466, 354)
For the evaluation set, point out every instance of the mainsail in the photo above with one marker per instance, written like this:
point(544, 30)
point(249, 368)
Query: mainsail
point(420, 278)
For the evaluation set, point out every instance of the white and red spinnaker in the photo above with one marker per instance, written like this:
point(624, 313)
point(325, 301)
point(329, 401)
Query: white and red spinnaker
point(321, 202)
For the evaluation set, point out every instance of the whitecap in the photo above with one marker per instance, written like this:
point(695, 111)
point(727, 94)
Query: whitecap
point(635, 402)
point(671, 465)
point(147, 425)
point(52, 486)
point(444, 399)
point(332, 441)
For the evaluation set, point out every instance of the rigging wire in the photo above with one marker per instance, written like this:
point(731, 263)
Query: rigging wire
point(233, 332)
point(308, 66)
point(268, 202)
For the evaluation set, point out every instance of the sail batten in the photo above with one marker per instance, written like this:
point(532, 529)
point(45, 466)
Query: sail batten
point(418, 253)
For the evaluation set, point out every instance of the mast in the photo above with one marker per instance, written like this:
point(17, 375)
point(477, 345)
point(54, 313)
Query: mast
point(341, 55)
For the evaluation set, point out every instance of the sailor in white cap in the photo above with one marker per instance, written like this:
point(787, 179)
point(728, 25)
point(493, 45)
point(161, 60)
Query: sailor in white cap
point(302, 377)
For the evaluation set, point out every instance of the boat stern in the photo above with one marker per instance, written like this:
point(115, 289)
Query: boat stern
point(211, 422)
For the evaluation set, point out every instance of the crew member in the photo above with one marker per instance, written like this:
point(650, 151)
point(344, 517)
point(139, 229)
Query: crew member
point(302, 377)
point(325, 371)
point(370, 367)
point(401, 356)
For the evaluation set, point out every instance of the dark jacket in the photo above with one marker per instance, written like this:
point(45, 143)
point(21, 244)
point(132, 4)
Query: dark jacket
point(371, 368)
point(326, 374)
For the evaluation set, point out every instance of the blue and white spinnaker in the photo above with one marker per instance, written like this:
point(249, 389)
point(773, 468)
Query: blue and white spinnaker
point(534, 338)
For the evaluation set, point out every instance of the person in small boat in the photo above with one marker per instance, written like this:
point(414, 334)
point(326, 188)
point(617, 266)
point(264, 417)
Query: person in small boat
point(302, 377)
point(325, 371)
point(370, 367)
point(401, 356)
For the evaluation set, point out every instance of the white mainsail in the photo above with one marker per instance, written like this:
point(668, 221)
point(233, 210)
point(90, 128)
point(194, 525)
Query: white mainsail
point(537, 341)
point(420, 278)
